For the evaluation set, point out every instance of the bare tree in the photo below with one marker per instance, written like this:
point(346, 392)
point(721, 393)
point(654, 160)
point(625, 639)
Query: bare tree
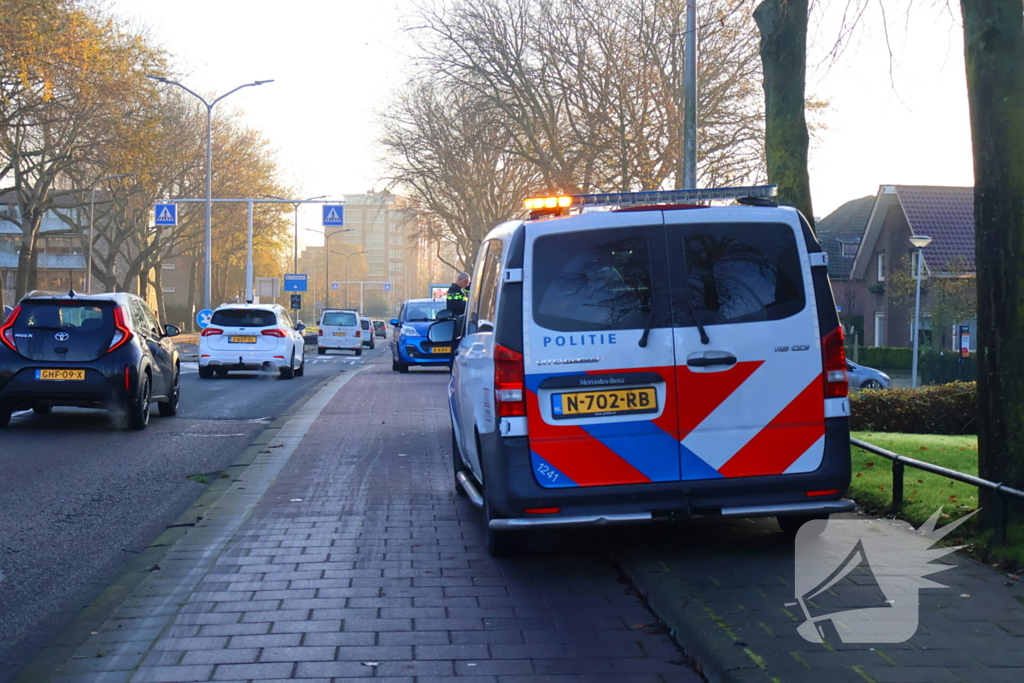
point(450, 151)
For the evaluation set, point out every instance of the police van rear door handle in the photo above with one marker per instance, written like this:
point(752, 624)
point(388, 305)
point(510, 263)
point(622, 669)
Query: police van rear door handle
point(708, 360)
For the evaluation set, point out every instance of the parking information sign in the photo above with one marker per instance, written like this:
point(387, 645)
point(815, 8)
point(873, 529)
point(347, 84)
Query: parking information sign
point(165, 214)
point(203, 318)
point(296, 282)
point(334, 215)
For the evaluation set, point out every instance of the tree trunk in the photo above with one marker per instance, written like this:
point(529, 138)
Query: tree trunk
point(783, 27)
point(26, 278)
point(994, 50)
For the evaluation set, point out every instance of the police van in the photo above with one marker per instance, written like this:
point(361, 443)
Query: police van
point(628, 358)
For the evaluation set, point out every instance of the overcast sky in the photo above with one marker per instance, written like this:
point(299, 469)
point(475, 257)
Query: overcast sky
point(899, 119)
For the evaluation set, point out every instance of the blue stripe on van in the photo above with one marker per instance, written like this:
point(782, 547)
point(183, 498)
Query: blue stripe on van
point(548, 476)
point(643, 445)
point(694, 467)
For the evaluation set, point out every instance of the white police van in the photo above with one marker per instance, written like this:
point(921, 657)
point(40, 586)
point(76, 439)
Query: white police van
point(657, 360)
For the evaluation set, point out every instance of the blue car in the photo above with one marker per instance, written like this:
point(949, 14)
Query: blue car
point(409, 344)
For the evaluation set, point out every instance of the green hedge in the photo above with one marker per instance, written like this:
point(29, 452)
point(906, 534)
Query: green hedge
point(941, 367)
point(883, 357)
point(944, 409)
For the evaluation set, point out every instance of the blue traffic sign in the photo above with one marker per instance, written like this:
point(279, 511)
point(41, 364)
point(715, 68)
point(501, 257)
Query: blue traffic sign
point(166, 214)
point(387, 286)
point(203, 318)
point(335, 286)
point(295, 283)
point(334, 215)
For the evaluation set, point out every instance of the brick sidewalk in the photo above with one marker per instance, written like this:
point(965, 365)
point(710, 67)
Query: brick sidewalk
point(344, 553)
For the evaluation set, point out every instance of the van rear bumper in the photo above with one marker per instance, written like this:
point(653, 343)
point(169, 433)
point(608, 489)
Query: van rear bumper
point(512, 489)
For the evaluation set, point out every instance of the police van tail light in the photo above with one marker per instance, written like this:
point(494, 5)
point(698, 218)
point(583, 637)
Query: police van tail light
point(7, 330)
point(122, 332)
point(359, 333)
point(509, 380)
point(834, 356)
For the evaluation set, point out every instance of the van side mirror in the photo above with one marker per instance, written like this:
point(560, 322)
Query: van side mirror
point(441, 332)
point(444, 314)
point(395, 323)
point(171, 330)
point(301, 326)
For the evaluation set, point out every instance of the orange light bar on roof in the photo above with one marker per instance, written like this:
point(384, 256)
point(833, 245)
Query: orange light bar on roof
point(542, 203)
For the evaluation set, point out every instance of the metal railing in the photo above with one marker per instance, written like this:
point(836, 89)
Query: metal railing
point(900, 462)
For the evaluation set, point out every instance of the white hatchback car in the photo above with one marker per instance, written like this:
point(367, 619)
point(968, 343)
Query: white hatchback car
point(369, 340)
point(251, 337)
point(340, 329)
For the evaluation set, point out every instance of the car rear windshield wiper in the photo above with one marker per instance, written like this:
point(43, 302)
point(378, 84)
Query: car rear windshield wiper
point(647, 329)
point(704, 339)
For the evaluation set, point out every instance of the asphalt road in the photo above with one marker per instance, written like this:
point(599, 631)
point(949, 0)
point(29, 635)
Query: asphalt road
point(78, 495)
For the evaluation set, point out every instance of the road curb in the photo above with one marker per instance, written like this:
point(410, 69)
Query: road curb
point(715, 652)
point(47, 662)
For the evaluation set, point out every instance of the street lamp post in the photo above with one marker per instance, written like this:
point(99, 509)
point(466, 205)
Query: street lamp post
point(92, 216)
point(919, 242)
point(347, 257)
point(296, 204)
point(208, 235)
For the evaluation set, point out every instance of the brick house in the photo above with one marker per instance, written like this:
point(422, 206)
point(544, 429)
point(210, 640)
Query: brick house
point(886, 222)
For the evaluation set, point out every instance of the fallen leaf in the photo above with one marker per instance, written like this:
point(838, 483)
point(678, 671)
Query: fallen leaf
point(869, 464)
point(636, 626)
point(881, 488)
point(924, 448)
point(860, 474)
point(1013, 577)
point(920, 481)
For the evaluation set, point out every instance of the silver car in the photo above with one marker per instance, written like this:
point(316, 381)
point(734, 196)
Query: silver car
point(862, 377)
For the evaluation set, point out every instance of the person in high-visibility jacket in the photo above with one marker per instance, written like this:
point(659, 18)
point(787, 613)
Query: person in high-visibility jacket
point(457, 295)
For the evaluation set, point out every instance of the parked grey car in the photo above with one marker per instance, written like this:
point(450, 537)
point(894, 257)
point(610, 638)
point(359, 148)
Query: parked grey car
point(862, 377)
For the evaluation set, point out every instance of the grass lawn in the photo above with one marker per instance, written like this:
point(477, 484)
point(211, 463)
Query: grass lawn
point(924, 492)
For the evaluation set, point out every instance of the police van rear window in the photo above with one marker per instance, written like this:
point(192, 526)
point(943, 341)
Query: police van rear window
point(592, 280)
point(243, 317)
point(735, 272)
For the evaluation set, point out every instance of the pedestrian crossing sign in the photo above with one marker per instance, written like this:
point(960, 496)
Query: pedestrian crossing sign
point(334, 215)
point(165, 214)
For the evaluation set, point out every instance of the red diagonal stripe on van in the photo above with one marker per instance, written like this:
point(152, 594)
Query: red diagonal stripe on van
point(668, 421)
point(702, 392)
point(786, 438)
point(581, 457)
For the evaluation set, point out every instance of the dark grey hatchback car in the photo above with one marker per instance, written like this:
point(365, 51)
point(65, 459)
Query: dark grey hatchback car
point(89, 351)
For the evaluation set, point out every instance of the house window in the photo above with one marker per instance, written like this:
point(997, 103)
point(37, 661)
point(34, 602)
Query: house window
point(167, 266)
point(881, 267)
point(850, 248)
point(879, 328)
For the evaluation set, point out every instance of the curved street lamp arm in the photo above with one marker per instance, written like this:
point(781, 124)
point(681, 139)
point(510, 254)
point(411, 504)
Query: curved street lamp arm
point(191, 92)
point(211, 105)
